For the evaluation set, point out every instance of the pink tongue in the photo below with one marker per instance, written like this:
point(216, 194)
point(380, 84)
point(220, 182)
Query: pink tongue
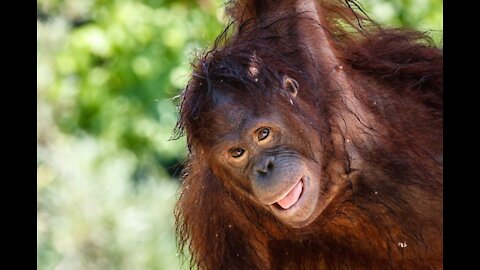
point(292, 197)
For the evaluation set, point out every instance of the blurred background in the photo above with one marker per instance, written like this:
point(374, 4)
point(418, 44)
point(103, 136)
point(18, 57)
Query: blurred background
point(108, 72)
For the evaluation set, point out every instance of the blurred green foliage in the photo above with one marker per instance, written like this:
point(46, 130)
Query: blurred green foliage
point(108, 72)
point(423, 15)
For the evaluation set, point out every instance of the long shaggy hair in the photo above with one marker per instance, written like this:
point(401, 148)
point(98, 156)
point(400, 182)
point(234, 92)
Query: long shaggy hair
point(390, 214)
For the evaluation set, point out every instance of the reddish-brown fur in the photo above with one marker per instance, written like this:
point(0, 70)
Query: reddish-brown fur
point(385, 146)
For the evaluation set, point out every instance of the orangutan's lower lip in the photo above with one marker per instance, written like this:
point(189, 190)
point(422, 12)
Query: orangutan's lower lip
point(292, 196)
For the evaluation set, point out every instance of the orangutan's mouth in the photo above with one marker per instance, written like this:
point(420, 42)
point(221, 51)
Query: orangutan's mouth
point(291, 197)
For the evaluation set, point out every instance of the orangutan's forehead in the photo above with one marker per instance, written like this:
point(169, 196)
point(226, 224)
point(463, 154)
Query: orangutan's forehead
point(234, 108)
point(233, 117)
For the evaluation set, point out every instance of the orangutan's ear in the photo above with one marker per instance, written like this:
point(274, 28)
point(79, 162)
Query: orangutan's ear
point(291, 86)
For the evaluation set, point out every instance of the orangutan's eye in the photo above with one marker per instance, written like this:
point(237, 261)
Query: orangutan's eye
point(263, 134)
point(237, 152)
